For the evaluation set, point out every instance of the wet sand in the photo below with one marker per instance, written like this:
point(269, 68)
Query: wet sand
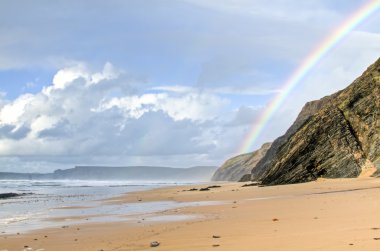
point(324, 215)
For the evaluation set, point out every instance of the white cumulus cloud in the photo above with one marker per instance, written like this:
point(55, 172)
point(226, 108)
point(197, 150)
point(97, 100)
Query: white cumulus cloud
point(84, 114)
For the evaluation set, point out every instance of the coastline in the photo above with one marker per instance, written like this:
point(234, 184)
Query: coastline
point(337, 214)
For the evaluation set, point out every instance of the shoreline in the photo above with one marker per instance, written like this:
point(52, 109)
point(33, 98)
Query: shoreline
point(323, 215)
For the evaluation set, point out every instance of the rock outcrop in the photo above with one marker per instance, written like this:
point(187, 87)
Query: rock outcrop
point(335, 137)
point(237, 167)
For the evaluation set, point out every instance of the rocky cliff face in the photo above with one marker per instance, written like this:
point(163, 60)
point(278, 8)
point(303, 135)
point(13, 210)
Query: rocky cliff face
point(235, 168)
point(337, 136)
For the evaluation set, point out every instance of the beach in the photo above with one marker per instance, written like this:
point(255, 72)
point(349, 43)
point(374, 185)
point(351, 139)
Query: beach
point(340, 214)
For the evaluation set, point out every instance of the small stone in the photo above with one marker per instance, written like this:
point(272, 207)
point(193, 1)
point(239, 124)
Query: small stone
point(351, 244)
point(204, 189)
point(376, 239)
point(213, 186)
point(275, 219)
point(216, 236)
point(216, 245)
point(154, 244)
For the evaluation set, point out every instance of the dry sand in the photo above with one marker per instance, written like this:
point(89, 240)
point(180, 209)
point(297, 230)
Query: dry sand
point(324, 215)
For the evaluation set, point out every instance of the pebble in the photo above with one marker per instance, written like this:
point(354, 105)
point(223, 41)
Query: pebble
point(216, 236)
point(154, 244)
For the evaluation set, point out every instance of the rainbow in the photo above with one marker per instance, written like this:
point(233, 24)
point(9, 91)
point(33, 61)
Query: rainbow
point(307, 64)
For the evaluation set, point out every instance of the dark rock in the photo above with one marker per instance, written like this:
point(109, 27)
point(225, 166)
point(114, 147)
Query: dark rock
point(246, 177)
point(216, 236)
point(215, 186)
point(204, 189)
point(12, 195)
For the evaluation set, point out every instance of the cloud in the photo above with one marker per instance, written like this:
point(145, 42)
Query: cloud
point(192, 106)
point(278, 9)
point(226, 90)
point(84, 114)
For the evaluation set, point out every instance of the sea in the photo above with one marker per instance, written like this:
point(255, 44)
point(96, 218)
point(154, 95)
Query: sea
point(60, 203)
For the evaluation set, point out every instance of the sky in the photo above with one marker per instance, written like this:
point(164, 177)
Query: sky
point(169, 83)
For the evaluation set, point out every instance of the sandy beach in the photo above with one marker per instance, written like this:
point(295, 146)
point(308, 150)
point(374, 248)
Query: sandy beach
point(323, 215)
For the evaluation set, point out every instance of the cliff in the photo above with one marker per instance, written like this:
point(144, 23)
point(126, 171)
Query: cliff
point(235, 168)
point(335, 137)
